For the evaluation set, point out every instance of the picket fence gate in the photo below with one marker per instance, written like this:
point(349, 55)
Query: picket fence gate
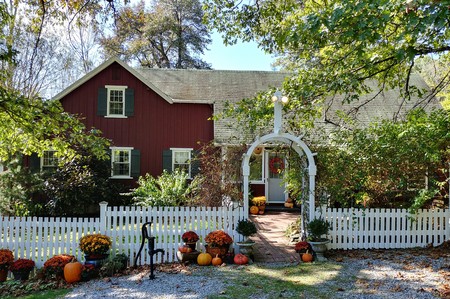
point(39, 238)
point(385, 228)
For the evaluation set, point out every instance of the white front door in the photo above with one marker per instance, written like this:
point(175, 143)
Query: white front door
point(275, 163)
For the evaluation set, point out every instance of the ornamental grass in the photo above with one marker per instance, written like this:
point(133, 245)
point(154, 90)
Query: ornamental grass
point(6, 259)
point(218, 238)
point(95, 244)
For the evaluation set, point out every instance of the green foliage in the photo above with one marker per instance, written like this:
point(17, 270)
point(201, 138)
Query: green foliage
point(168, 189)
point(246, 227)
point(169, 35)
point(79, 184)
point(333, 47)
point(114, 265)
point(385, 165)
point(17, 186)
point(317, 228)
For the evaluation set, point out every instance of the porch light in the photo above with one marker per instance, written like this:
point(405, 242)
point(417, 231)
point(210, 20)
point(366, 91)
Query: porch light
point(279, 97)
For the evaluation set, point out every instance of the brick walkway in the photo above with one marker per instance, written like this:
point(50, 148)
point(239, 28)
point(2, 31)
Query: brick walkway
point(271, 244)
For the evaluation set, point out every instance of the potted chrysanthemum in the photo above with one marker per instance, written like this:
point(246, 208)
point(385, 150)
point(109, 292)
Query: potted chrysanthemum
point(190, 239)
point(6, 259)
point(218, 243)
point(21, 268)
point(95, 248)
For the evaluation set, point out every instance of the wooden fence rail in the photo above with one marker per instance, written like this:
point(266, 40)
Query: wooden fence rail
point(41, 238)
point(386, 228)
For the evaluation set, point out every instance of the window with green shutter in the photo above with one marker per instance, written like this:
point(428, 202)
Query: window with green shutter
point(115, 101)
point(125, 163)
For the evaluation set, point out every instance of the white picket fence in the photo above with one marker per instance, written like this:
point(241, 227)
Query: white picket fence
point(40, 238)
point(386, 228)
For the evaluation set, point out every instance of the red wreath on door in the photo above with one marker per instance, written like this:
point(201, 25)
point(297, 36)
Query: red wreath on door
point(276, 165)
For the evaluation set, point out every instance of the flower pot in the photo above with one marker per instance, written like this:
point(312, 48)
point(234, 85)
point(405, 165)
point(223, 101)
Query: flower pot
point(261, 209)
point(184, 257)
point(221, 251)
point(319, 249)
point(191, 245)
point(95, 260)
point(3, 275)
point(246, 248)
point(21, 274)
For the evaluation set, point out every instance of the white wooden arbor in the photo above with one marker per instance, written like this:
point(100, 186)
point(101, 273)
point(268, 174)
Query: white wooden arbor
point(278, 136)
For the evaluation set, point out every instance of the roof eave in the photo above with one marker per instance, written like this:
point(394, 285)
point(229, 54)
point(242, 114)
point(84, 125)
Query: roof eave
point(103, 66)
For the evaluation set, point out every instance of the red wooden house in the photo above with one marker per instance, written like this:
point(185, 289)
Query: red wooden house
point(157, 118)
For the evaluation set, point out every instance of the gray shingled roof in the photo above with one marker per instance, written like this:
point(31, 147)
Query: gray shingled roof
point(211, 86)
point(217, 87)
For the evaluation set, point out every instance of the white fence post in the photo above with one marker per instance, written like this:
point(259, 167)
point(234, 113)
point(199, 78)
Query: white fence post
point(103, 218)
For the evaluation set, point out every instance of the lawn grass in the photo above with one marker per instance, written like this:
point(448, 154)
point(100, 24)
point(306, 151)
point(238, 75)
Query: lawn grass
point(49, 294)
point(281, 281)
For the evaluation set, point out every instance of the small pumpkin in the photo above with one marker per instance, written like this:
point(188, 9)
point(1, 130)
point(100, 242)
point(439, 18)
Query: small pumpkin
point(289, 205)
point(204, 259)
point(254, 210)
point(240, 259)
point(185, 249)
point(217, 261)
point(307, 257)
point(72, 271)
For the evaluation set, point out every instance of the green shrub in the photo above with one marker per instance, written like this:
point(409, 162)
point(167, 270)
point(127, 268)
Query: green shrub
point(168, 189)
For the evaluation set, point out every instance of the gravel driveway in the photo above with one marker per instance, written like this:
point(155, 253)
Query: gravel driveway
point(362, 274)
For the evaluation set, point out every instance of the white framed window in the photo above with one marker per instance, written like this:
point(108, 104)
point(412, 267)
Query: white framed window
point(49, 160)
point(256, 168)
point(121, 162)
point(181, 159)
point(115, 103)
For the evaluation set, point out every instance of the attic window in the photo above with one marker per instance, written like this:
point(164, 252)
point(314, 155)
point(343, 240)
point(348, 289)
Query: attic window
point(115, 101)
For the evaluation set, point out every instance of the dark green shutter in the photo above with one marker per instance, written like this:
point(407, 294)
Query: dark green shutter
point(129, 102)
point(195, 163)
point(35, 163)
point(102, 99)
point(110, 162)
point(167, 160)
point(135, 163)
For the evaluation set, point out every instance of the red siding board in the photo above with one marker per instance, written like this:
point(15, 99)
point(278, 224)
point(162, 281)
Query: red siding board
point(155, 126)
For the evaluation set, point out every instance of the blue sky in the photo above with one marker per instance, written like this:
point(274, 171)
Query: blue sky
point(242, 56)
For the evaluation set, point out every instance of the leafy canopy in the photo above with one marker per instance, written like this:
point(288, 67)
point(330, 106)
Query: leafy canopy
point(401, 164)
point(334, 46)
point(169, 34)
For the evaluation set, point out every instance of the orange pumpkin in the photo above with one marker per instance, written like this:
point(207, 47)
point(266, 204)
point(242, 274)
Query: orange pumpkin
point(217, 261)
point(307, 257)
point(204, 259)
point(240, 259)
point(184, 249)
point(72, 272)
point(254, 210)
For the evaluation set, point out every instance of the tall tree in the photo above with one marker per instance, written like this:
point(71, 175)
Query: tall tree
point(168, 35)
point(29, 123)
point(335, 46)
